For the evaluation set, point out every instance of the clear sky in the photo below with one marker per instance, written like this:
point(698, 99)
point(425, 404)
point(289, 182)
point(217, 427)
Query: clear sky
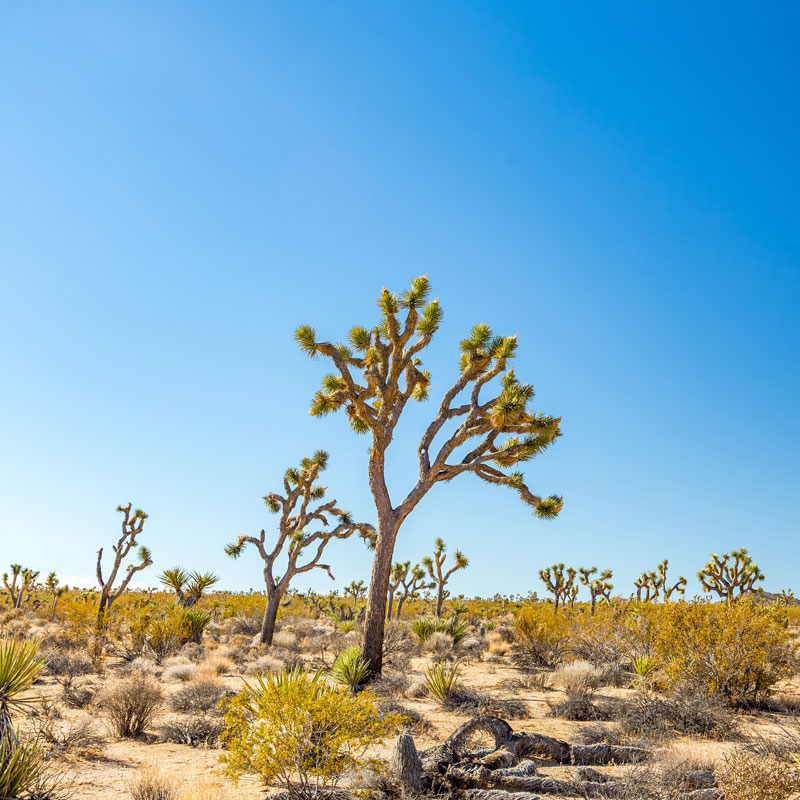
point(183, 183)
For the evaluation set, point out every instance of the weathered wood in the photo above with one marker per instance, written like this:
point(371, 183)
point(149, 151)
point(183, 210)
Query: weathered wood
point(498, 728)
point(406, 765)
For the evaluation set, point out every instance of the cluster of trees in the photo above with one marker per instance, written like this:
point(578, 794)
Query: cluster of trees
point(728, 576)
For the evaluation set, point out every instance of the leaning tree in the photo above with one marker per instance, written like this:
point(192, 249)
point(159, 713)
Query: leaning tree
point(380, 371)
point(439, 576)
point(730, 574)
point(299, 509)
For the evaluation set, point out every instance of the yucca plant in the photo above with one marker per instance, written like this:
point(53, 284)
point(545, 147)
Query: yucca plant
point(423, 629)
point(644, 666)
point(196, 622)
point(350, 668)
point(20, 667)
point(441, 681)
point(22, 767)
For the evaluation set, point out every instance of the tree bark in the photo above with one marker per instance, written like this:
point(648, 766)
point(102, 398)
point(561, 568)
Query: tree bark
point(439, 600)
point(390, 603)
point(270, 615)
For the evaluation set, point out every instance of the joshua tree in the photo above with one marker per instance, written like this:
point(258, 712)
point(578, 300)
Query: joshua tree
point(27, 581)
point(558, 582)
point(132, 525)
point(598, 587)
point(413, 582)
point(399, 571)
point(679, 586)
point(730, 574)
point(374, 388)
point(356, 590)
point(434, 566)
point(188, 586)
point(297, 512)
point(648, 585)
point(56, 591)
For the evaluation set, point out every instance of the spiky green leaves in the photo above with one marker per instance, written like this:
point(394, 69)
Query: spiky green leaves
point(273, 502)
point(234, 550)
point(145, 556)
point(429, 319)
point(360, 338)
point(422, 386)
point(388, 302)
point(549, 507)
point(416, 295)
point(306, 338)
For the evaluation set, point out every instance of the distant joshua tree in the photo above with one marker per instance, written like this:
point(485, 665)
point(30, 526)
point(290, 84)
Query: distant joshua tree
point(18, 591)
point(188, 586)
point(356, 590)
point(132, 525)
point(598, 587)
point(679, 586)
point(648, 585)
point(434, 566)
point(399, 571)
point(559, 582)
point(55, 591)
point(413, 583)
point(297, 512)
point(730, 575)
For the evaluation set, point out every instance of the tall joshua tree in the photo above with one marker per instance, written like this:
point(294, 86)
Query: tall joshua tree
point(18, 591)
point(188, 586)
point(730, 575)
point(132, 525)
point(600, 586)
point(374, 378)
point(559, 582)
point(413, 582)
point(399, 572)
point(440, 578)
point(299, 509)
point(679, 586)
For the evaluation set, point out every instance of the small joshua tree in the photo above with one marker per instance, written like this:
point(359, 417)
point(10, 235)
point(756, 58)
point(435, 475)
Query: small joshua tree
point(55, 591)
point(132, 524)
point(399, 571)
point(188, 586)
point(374, 379)
point(598, 587)
point(730, 575)
point(559, 582)
point(648, 585)
point(356, 590)
point(297, 512)
point(18, 591)
point(413, 583)
point(434, 566)
point(679, 586)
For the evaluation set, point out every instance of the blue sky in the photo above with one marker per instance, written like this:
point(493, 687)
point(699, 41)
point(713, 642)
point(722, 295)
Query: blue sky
point(183, 184)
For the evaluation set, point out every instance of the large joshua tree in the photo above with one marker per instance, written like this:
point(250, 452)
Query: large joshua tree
point(439, 576)
point(375, 377)
point(299, 509)
point(730, 574)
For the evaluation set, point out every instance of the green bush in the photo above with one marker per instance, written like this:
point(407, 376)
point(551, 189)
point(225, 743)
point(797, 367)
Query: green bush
point(350, 668)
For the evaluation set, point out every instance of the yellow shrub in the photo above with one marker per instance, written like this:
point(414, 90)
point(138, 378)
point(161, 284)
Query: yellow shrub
point(542, 636)
point(296, 730)
point(736, 651)
point(749, 776)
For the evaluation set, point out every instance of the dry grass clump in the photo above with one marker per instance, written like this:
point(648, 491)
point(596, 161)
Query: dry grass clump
point(409, 721)
point(579, 677)
point(195, 730)
point(496, 644)
point(417, 689)
point(202, 694)
point(266, 663)
point(390, 685)
point(744, 775)
point(285, 639)
point(67, 664)
point(129, 705)
point(216, 664)
point(440, 646)
point(78, 696)
point(152, 784)
point(143, 666)
point(179, 673)
point(577, 706)
point(471, 648)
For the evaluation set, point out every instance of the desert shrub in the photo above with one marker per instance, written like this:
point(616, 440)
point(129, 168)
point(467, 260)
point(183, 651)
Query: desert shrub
point(297, 730)
point(285, 639)
point(576, 706)
point(350, 668)
point(179, 673)
point(417, 689)
point(441, 680)
point(142, 665)
point(654, 717)
point(735, 651)
point(246, 624)
point(397, 646)
point(150, 784)
point(478, 704)
point(195, 730)
point(67, 663)
point(471, 647)
point(193, 651)
point(578, 677)
point(392, 685)
point(542, 637)
point(440, 646)
point(75, 739)
point(408, 720)
point(425, 627)
point(202, 694)
point(267, 663)
point(602, 639)
point(78, 696)
point(216, 665)
point(749, 776)
point(129, 705)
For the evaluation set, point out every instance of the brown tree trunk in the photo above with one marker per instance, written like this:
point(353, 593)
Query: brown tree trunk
point(399, 606)
point(375, 616)
point(390, 603)
point(270, 615)
point(439, 600)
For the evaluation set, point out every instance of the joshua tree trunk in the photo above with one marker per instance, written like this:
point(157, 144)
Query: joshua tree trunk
point(390, 603)
point(400, 602)
point(270, 615)
point(439, 600)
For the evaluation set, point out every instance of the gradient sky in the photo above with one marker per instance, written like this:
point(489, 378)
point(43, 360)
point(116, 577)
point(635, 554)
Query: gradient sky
point(183, 183)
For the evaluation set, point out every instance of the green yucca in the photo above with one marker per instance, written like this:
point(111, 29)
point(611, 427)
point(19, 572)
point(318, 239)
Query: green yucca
point(644, 666)
point(350, 668)
point(22, 766)
point(196, 622)
point(20, 667)
point(441, 680)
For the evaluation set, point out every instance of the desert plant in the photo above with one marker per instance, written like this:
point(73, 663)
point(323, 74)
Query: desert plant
point(600, 586)
point(748, 776)
point(412, 582)
point(296, 730)
point(130, 704)
point(195, 730)
point(17, 592)
point(648, 585)
point(20, 667)
point(132, 525)
point(297, 513)
point(644, 666)
point(391, 375)
point(151, 784)
point(666, 589)
point(399, 571)
point(201, 694)
point(188, 586)
point(22, 766)
point(442, 680)
point(559, 582)
point(350, 668)
point(52, 586)
point(730, 575)
point(356, 590)
point(542, 638)
point(434, 567)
